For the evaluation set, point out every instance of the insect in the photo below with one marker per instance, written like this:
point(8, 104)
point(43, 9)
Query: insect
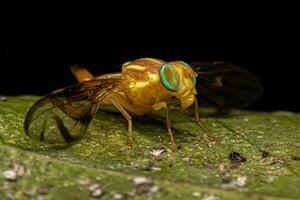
point(144, 85)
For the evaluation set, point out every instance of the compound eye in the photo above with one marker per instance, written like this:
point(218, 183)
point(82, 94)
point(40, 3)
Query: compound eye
point(169, 77)
point(187, 65)
point(194, 80)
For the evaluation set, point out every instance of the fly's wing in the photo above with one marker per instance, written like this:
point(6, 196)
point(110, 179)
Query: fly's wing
point(225, 85)
point(63, 116)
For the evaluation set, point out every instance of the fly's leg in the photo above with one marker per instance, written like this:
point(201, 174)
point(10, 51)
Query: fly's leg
point(168, 123)
point(81, 74)
point(206, 135)
point(158, 106)
point(198, 119)
point(129, 120)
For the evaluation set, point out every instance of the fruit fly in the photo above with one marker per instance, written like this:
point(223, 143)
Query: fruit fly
point(144, 85)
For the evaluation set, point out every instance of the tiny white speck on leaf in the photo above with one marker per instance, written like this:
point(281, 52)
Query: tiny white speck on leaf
point(157, 152)
point(210, 197)
point(154, 189)
point(118, 196)
point(196, 194)
point(94, 187)
point(10, 175)
point(97, 193)
point(140, 180)
point(240, 181)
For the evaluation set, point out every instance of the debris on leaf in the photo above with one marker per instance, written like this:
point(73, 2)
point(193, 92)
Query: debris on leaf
point(226, 179)
point(157, 151)
point(240, 181)
point(10, 175)
point(3, 98)
point(295, 158)
point(143, 185)
point(18, 168)
point(151, 168)
point(210, 197)
point(196, 194)
point(296, 145)
point(145, 188)
point(9, 195)
point(265, 154)
point(221, 167)
point(236, 158)
point(154, 189)
point(119, 196)
point(94, 186)
point(95, 190)
point(33, 192)
point(97, 193)
point(141, 180)
point(83, 180)
point(30, 193)
point(43, 190)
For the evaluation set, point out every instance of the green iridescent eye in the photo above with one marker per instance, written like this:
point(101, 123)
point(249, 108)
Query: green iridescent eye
point(169, 77)
point(193, 77)
point(182, 62)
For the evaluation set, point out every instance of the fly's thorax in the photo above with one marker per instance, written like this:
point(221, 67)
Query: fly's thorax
point(142, 65)
point(142, 71)
point(144, 84)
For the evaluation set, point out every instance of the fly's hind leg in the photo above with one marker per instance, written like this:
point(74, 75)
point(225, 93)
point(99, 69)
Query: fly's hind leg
point(200, 124)
point(129, 120)
point(206, 135)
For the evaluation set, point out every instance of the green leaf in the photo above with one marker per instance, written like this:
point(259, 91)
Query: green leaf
point(200, 169)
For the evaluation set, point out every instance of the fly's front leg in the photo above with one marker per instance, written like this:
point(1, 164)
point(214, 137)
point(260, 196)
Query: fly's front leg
point(158, 106)
point(129, 120)
point(168, 123)
point(201, 125)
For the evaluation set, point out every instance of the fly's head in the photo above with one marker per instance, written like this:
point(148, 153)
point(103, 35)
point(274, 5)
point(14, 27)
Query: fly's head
point(179, 79)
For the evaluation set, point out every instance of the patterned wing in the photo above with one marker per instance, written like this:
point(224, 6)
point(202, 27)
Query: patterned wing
point(63, 116)
point(225, 85)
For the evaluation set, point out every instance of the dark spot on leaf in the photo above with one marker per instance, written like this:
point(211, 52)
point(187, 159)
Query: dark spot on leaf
point(151, 167)
point(265, 154)
point(171, 164)
point(226, 180)
point(295, 158)
point(142, 189)
point(148, 168)
point(236, 158)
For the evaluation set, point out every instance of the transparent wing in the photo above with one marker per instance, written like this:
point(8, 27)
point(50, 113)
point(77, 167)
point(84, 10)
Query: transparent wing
point(225, 85)
point(63, 116)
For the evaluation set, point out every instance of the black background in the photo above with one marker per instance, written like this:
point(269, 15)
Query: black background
point(42, 40)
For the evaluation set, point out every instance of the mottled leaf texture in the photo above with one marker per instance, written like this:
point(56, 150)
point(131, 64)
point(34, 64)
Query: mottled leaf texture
point(225, 85)
point(63, 116)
